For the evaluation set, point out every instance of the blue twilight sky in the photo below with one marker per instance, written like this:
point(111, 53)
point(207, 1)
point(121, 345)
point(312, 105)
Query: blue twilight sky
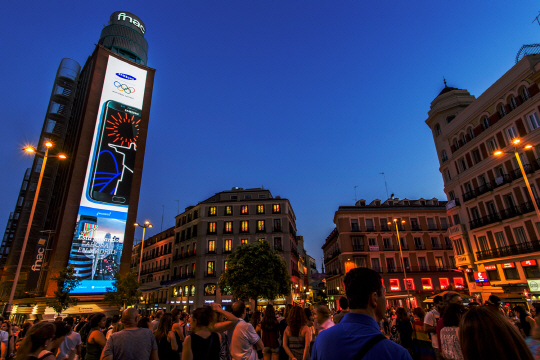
point(305, 98)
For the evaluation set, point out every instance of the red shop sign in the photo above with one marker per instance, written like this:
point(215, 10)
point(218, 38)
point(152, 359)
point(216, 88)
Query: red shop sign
point(468, 270)
point(508, 265)
point(528, 263)
point(480, 277)
point(491, 267)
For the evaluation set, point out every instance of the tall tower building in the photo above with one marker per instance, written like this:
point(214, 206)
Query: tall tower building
point(85, 204)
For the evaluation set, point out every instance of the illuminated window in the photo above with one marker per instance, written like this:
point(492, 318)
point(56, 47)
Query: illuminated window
point(192, 290)
point(225, 265)
point(244, 241)
point(179, 291)
point(244, 209)
point(212, 211)
point(194, 248)
point(445, 283)
point(187, 270)
point(228, 226)
point(245, 226)
point(228, 210)
point(210, 267)
point(276, 209)
point(260, 209)
point(209, 289)
point(211, 245)
point(409, 283)
point(260, 225)
point(459, 283)
point(181, 271)
point(349, 265)
point(186, 290)
point(427, 284)
point(228, 245)
point(193, 269)
point(394, 285)
point(211, 227)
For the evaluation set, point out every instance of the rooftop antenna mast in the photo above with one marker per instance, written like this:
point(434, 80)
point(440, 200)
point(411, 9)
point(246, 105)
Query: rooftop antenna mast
point(385, 185)
point(355, 199)
point(537, 19)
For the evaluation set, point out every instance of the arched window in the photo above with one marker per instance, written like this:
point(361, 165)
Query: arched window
point(463, 139)
point(456, 144)
point(437, 130)
point(485, 123)
point(512, 102)
point(524, 93)
point(444, 156)
point(471, 133)
point(502, 110)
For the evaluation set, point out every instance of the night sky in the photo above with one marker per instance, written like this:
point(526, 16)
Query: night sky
point(305, 98)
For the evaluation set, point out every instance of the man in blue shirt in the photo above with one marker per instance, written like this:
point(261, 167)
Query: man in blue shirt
point(367, 304)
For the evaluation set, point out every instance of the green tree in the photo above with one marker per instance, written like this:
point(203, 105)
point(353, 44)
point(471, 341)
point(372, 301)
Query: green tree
point(66, 281)
point(125, 291)
point(256, 271)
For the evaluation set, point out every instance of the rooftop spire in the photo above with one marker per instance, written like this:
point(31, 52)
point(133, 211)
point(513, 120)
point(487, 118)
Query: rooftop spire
point(444, 80)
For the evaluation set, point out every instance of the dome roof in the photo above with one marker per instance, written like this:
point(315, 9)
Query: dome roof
point(447, 89)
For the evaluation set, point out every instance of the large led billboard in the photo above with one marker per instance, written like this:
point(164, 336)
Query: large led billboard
point(98, 238)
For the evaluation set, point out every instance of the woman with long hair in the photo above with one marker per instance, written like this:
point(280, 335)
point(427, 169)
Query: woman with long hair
point(202, 343)
point(165, 338)
point(36, 340)
point(270, 334)
point(525, 319)
point(485, 334)
point(96, 340)
point(255, 321)
point(297, 336)
point(178, 329)
point(448, 340)
point(144, 322)
point(404, 327)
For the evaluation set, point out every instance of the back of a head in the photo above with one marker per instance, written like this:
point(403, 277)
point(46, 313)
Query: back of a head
point(164, 326)
point(485, 334)
point(175, 314)
point(159, 314)
point(204, 316)
point(452, 315)
point(307, 311)
point(36, 337)
point(143, 322)
point(437, 299)
point(419, 312)
point(296, 320)
point(269, 318)
point(449, 296)
point(323, 313)
point(115, 319)
point(70, 321)
point(360, 283)
point(129, 317)
point(401, 314)
point(343, 303)
point(288, 308)
point(238, 308)
point(95, 319)
point(62, 329)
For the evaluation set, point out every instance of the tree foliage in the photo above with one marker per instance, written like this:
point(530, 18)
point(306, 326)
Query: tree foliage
point(125, 291)
point(256, 271)
point(66, 281)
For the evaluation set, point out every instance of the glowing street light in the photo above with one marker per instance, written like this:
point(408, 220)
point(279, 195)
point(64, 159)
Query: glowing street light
point(45, 155)
point(402, 261)
point(515, 152)
point(144, 226)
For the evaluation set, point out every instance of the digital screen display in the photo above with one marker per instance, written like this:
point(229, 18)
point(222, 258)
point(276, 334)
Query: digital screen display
point(98, 237)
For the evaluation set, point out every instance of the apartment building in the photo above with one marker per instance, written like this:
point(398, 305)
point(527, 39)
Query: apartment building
point(363, 238)
point(205, 234)
point(155, 269)
point(494, 228)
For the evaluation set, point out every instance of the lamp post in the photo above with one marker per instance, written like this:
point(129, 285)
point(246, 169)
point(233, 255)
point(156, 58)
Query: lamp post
point(515, 152)
point(45, 155)
point(402, 261)
point(144, 226)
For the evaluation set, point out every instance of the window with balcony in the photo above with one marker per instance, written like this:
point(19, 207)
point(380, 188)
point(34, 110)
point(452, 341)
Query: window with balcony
point(260, 209)
point(228, 210)
point(358, 243)
point(501, 109)
point(422, 263)
point(244, 226)
point(244, 210)
point(485, 122)
point(260, 226)
point(534, 121)
point(436, 243)
point(447, 175)
point(369, 225)
point(228, 227)
point(388, 244)
point(439, 262)
point(512, 102)
point(277, 225)
point(276, 209)
point(431, 224)
point(500, 239)
point(456, 144)
point(418, 243)
point(462, 164)
point(444, 156)
point(511, 274)
point(354, 225)
point(211, 246)
point(212, 211)
point(520, 236)
point(511, 133)
point(476, 156)
point(403, 244)
point(452, 262)
point(483, 243)
point(376, 264)
point(415, 226)
point(277, 244)
point(211, 227)
point(210, 266)
point(228, 245)
point(492, 145)
point(372, 242)
point(244, 241)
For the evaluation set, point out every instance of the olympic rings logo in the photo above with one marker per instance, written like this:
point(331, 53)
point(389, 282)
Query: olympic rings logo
point(124, 87)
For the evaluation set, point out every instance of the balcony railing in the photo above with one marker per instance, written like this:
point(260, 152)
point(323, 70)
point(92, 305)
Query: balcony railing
point(416, 228)
point(357, 247)
point(385, 228)
point(209, 274)
point(156, 269)
point(518, 249)
point(210, 252)
point(433, 228)
point(508, 213)
point(277, 229)
point(419, 246)
point(227, 251)
point(370, 228)
point(437, 247)
point(278, 247)
point(388, 247)
point(416, 269)
point(355, 229)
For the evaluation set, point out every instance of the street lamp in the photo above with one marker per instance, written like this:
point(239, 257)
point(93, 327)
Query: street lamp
point(402, 261)
point(527, 147)
point(144, 226)
point(45, 155)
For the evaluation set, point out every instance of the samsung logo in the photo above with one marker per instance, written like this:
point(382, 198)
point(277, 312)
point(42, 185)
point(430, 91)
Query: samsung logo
point(125, 76)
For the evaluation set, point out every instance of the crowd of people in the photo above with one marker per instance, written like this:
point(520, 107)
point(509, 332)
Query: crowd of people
point(363, 329)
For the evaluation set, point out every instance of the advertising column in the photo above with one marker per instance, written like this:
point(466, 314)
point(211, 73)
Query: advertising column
point(98, 237)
